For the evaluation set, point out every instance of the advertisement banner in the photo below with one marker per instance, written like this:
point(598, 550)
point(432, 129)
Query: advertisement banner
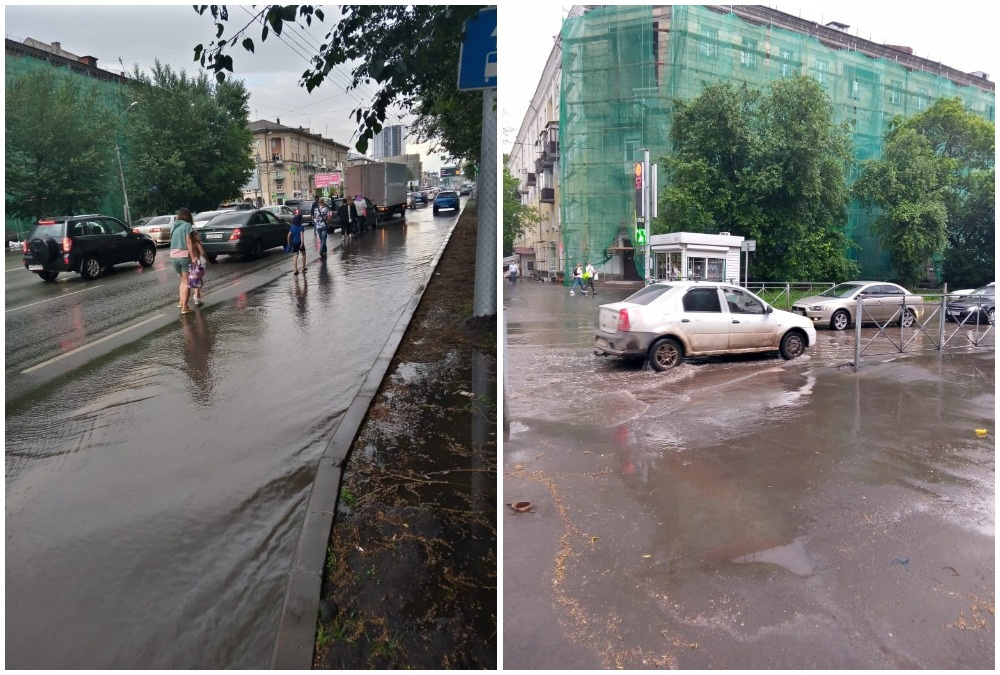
point(327, 179)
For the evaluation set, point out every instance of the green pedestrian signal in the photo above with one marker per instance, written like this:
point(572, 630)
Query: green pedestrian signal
point(640, 236)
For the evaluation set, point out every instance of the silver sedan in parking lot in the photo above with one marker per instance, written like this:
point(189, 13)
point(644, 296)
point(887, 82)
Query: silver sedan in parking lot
point(881, 302)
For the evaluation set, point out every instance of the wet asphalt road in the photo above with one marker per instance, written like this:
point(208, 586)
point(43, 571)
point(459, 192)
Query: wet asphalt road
point(743, 512)
point(155, 494)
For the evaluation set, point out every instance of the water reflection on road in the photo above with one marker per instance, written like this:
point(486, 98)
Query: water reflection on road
point(153, 499)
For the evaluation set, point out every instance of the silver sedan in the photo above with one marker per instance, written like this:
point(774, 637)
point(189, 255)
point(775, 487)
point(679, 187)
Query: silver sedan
point(881, 302)
point(158, 228)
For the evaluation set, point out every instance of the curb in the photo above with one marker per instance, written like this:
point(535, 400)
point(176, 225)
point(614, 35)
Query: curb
point(297, 628)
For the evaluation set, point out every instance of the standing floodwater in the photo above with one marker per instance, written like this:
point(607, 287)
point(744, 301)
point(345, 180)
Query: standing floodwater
point(154, 497)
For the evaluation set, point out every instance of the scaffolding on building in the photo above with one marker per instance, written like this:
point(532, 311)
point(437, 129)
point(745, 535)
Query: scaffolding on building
point(623, 67)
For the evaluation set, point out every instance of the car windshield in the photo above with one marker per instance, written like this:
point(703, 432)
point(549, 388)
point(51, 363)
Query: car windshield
point(233, 218)
point(841, 291)
point(985, 290)
point(648, 294)
point(447, 194)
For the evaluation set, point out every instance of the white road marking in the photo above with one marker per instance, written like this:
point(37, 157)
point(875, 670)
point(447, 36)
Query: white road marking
point(91, 344)
point(12, 309)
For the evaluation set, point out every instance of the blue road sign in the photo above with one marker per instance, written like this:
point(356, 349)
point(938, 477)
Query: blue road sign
point(477, 63)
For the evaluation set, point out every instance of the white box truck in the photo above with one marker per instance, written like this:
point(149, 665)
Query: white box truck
point(384, 183)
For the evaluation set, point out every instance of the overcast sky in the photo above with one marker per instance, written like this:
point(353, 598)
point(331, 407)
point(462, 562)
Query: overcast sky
point(138, 35)
point(958, 33)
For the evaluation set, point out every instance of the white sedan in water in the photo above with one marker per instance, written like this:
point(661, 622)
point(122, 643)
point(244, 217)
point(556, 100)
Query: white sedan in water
point(666, 321)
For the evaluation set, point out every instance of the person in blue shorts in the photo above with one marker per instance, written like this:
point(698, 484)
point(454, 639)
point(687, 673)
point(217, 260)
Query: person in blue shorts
point(295, 243)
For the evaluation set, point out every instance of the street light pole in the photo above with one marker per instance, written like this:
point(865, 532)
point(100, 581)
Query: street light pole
point(121, 172)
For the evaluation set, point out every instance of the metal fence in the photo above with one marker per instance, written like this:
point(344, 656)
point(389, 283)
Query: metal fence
point(783, 295)
point(926, 326)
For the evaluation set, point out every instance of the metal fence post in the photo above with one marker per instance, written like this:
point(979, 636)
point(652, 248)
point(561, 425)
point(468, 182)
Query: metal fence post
point(484, 301)
point(944, 317)
point(857, 333)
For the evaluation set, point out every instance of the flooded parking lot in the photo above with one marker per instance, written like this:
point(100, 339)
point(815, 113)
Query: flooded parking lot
point(744, 512)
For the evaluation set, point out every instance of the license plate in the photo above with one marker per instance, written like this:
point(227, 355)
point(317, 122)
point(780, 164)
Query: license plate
point(35, 268)
point(798, 310)
point(213, 235)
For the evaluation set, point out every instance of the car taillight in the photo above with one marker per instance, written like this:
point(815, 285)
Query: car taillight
point(24, 246)
point(67, 244)
point(235, 235)
point(135, 230)
point(623, 323)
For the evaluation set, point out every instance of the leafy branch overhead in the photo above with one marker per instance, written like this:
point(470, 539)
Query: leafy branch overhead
point(408, 51)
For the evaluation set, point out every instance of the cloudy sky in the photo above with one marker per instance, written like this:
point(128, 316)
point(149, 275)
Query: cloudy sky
point(132, 35)
point(958, 33)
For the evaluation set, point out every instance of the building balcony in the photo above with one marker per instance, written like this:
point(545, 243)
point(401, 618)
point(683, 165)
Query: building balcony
point(531, 180)
point(279, 175)
point(548, 154)
point(277, 160)
point(548, 196)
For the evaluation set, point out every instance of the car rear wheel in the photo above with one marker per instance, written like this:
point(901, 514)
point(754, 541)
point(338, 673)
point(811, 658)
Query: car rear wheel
point(48, 275)
point(990, 314)
point(212, 257)
point(665, 354)
point(793, 344)
point(148, 256)
point(90, 268)
point(258, 249)
point(907, 319)
point(840, 319)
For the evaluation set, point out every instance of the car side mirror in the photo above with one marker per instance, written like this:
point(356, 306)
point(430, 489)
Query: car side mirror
point(768, 309)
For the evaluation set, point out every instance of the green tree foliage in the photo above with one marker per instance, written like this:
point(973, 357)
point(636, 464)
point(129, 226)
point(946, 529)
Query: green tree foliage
point(410, 51)
point(517, 218)
point(188, 139)
point(933, 187)
point(59, 157)
point(766, 165)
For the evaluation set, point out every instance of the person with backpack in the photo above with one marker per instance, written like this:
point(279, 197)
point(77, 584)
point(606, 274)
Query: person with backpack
point(577, 280)
point(589, 277)
point(295, 243)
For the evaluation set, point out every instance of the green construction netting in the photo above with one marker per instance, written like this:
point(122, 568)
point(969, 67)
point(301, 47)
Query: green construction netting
point(622, 67)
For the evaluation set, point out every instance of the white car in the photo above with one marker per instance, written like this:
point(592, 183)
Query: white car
point(666, 321)
point(158, 228)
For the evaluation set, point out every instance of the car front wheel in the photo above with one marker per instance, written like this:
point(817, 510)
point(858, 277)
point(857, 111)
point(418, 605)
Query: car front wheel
point(990, 315)
point(840, 319)
point(793, 344)
point(148, 256)
point(665, 354)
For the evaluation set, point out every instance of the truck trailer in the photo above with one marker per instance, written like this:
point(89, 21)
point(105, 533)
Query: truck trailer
point(384, 183)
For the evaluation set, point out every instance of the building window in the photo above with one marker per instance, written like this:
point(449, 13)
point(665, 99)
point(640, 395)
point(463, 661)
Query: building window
point(709, 40)
point(822, 69)
point(748, 57)
point(787, 65)
point(854, 89)
point(895, 92)
point(922, 100)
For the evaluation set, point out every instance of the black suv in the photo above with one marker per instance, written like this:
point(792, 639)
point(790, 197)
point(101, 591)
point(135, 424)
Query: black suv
point(85, 244)
point(303, 206)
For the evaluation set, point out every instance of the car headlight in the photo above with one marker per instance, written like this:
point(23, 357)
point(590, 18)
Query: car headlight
point(817, 308)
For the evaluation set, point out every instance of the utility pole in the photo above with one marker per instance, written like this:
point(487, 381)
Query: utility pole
point(121, 172)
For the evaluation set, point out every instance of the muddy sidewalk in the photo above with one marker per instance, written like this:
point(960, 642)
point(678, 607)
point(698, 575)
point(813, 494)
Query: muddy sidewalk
point(411, 570)
point(742, 513)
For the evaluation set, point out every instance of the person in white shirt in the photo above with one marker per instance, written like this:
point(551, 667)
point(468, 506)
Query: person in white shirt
point(512, 272)
point(589, 277)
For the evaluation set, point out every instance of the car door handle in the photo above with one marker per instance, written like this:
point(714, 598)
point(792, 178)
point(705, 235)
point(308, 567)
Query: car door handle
point(736, 320)
point(685, 320)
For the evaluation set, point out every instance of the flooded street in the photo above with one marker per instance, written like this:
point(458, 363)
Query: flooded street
point(743, 512)
point(154, 497)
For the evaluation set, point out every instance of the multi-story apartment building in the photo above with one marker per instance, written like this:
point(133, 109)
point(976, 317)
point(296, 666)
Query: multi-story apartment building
point(413, 164)
point(622, 67)
point(534, 161)
point(288, 160)
point(390, 142)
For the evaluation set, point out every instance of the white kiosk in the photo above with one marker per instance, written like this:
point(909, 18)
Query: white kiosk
point(696, 257)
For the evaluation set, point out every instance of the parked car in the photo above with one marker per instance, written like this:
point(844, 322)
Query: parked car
point(86, 244)
point(667, 321)
point(978, 306)
point(882, 302)
point(237, 206)
point(955, 295)
point(416, 200)
point(157, 227)
point(448, 199)
point(201, 219)
point(465, 190)
point(246, 233)
point(303, 205)
point(285, 213)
